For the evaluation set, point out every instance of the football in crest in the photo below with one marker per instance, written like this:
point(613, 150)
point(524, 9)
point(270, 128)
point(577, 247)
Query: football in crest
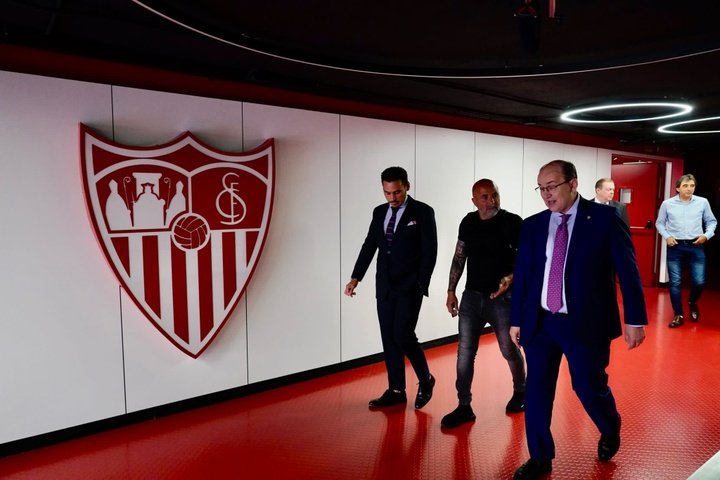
point(190, 232)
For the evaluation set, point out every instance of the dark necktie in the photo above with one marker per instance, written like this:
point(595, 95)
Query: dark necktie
point(557, 265)
point(390, 230)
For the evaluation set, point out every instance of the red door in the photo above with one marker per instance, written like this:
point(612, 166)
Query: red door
point(639, 186)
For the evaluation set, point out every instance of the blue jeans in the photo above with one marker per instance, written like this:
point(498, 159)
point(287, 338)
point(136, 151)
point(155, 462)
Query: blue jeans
point(475, 310)
point(694, 257)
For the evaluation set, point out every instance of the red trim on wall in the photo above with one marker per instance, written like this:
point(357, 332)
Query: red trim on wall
point(41, 62)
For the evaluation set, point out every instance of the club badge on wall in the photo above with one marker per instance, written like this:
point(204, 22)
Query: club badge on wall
point(182, 225)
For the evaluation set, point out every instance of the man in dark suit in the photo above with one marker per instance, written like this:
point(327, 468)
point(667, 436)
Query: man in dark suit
point(564, 303)
point(604, 193)
point(403, 232)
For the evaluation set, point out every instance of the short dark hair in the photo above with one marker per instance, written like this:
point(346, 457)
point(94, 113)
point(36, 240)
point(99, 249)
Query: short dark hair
point(688, 177)
point(600, 182)
point(393, 174)
point(568, 169)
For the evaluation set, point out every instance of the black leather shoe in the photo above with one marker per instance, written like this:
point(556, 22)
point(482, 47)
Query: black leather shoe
point(388, 398)
point(608, 446)
point(516, 403)
point(533, 469)
point(424, 393)
point(676, 322)
point(462, 414)
point(694, 312)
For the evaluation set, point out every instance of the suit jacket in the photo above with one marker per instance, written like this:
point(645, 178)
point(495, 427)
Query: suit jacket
point(600, 244)
point(622, 211)
point(410, 263)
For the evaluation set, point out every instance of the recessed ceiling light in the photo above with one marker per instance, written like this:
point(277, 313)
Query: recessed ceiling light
point(621, 114)
point(668, 128)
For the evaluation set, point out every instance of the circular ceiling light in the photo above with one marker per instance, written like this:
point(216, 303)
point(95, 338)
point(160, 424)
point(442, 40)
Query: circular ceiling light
point(626, 112)
point(669, 127)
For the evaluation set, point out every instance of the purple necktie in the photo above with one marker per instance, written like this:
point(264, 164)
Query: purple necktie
point(555, 279)
point(390, 230)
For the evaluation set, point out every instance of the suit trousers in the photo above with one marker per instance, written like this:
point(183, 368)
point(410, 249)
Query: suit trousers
point(587, 360)
point(398, 316)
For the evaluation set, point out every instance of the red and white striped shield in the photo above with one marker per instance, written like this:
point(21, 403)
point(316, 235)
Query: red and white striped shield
point(182, 225)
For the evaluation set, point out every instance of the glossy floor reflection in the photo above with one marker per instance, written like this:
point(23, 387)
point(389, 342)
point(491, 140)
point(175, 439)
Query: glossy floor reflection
point(668, 392)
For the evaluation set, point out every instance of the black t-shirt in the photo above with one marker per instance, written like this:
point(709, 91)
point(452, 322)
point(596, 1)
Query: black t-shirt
point(491, 246)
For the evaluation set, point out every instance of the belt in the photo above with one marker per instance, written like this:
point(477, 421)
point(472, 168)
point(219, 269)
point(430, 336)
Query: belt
point(548, 313)
point(686, 242)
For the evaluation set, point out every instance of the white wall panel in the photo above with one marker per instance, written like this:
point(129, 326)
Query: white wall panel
point(586, 162)
point(604, 166)
point(157, 372)
point(293, 301)
point(367, 148)
point(536, 154)
point(61, 346)
point(445, 175)
point(65, 319)
point(501, 160)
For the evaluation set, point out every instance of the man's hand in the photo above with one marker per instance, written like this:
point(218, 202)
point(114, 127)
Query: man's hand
point(671, 242)
point(634, 336)
point(515, 336)
point(350, 287)
point(505, 283)
point(700, 240)
point(452, 303)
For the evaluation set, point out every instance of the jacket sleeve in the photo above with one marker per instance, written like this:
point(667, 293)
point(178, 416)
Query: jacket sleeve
point(625, 263)
point(429, 249)
point(367, 252)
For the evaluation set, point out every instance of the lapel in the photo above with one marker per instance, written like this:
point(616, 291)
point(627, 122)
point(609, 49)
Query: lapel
point(407, 215)
point(542, 236)
point(401, 223)
point(583, 221)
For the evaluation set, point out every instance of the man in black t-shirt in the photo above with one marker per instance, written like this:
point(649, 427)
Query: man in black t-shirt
point(487, 241)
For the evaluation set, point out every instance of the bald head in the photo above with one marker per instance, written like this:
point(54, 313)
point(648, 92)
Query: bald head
point(486, 198)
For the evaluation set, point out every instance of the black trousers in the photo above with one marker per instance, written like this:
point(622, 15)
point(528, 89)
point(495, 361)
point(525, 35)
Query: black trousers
point(398, 316)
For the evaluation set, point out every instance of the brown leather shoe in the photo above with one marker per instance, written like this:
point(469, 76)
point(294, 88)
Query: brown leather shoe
point(676, 321)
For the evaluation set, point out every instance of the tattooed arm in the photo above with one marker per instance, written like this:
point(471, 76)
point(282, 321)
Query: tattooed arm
point(456, 270)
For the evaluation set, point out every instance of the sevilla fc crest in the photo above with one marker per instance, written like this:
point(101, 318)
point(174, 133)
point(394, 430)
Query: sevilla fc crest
point(182, 225)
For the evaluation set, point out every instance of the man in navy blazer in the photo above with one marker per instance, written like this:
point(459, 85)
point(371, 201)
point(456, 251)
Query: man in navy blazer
point(404, 234)
point(580, 321)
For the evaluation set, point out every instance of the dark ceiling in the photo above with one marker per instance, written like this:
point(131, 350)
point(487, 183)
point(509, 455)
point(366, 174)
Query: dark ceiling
point(514, 61)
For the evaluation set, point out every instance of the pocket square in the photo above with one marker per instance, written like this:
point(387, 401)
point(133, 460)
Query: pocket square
point(412, 222)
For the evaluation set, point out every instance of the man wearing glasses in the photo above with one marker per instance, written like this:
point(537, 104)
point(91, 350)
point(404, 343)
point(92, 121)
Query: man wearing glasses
point(564, 303)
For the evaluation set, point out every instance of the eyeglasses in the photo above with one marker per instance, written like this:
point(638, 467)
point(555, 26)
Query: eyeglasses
point(550, 188)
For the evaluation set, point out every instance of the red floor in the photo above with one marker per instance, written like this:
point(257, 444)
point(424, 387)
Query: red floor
point(668, 392)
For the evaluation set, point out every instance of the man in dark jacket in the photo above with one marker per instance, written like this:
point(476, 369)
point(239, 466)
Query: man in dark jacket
point(404, 234)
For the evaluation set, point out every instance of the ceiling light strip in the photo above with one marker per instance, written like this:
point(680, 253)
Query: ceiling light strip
point(668, 128)
point(411, 75)
point(681, 109)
